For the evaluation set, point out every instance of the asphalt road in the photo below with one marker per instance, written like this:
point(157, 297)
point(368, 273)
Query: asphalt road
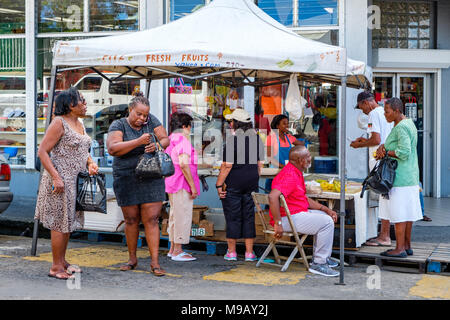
point(210, 277)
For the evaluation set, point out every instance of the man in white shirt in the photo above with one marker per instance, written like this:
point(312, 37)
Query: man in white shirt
point(378, 129)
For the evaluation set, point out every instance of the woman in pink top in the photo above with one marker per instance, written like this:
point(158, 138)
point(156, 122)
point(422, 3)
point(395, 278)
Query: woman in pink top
point(183, 187)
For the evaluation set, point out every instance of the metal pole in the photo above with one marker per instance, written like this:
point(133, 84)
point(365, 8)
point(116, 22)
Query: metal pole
point(49, 115)
point(342, 163)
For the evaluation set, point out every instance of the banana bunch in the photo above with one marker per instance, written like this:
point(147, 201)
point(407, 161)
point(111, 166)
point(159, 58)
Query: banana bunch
point(334, 186)
point(325, 185)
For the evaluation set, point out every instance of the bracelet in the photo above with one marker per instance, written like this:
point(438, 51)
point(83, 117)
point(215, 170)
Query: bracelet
point(217, 187)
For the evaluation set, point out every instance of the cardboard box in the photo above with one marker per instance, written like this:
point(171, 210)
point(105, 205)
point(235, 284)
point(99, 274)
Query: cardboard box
point(164, 225)
point(204, 229)
point(198, 213)
point(197, 216)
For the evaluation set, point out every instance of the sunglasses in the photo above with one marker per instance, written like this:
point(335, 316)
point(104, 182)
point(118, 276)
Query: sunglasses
point(82, 100)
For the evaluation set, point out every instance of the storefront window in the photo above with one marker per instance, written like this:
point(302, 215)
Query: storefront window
point(60, 16)
point(317, 12)
point(317, 128)
point(310, 12)
point(207, 103)
point(181, 8)
point(12, 16)
point(106, 15)
point(12, 116)
point(280, 10)
point(406, 25)
point(383, 87)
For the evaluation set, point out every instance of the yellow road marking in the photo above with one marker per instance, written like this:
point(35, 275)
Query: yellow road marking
point(98, 257)
point(432, 286)
point(93, 256)
point(143, 271)
point(265, 275)
point(5, 256)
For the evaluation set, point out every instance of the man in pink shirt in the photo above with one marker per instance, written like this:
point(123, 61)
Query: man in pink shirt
point(309, 216)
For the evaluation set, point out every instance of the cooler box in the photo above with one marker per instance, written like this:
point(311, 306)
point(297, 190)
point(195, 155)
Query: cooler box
point(104, 222)
point(325, 164)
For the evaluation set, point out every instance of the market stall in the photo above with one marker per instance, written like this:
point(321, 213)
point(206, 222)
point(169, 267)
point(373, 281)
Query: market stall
point(231, 42)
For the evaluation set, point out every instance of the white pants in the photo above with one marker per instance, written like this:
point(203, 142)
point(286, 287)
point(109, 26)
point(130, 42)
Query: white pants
point(317, 223)
point(180, 217)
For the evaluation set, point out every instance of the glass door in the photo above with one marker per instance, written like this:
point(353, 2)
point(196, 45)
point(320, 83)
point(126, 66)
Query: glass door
point(412, 92)
point(384, 87)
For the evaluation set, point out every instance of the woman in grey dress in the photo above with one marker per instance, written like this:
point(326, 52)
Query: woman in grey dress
point(140, 199)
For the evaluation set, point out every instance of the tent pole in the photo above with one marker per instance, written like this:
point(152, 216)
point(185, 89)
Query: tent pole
point(49, 115)
point(342, 163)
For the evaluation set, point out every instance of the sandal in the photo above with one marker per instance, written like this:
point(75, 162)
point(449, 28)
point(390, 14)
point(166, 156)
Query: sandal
point(183, 256)
point(376, 243)
point(158, 271)
point(426, 218)
point(61, 275)
point(128, 267)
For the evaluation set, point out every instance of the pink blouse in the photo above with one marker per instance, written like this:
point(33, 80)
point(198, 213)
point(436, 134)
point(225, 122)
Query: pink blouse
point(179, 144)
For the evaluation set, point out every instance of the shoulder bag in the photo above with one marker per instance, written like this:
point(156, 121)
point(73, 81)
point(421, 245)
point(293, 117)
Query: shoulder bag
point(155, 165)
point(381, 178)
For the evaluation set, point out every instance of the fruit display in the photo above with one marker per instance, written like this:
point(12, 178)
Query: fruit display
point(333, 186)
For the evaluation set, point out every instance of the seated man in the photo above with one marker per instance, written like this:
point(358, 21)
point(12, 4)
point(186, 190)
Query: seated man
point(309, 216)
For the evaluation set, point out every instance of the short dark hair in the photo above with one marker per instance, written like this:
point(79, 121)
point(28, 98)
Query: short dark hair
point(138, 98)
point(180, 119)
point(395, 104)
point(65, 100)
point(276, 121)
point(242, 125)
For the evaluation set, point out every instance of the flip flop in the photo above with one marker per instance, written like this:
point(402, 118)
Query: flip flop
point(426, 218)
point(376, 243)
point(128, 267)
point(180, 256)
point(58, 275)
point(159, 272)
point(402, 254)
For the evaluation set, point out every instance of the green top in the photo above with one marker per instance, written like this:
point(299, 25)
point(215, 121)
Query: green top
point(403, 140)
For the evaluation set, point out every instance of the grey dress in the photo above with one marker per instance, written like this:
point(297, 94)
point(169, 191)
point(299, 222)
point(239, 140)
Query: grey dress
point(129, 189)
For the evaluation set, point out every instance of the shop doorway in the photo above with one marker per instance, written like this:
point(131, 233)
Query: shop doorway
point(414, 91)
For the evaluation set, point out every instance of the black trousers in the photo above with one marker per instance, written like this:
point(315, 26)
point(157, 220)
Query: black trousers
point(239, 210)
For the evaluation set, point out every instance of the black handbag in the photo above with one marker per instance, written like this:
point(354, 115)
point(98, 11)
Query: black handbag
point(91, 192)
point(155, 165)
point(381, 178)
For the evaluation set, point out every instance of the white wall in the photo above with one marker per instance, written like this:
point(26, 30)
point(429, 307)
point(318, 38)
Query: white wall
point(355, 40)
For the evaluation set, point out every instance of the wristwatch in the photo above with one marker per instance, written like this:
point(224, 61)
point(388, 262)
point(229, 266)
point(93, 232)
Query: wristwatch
point(278, 222)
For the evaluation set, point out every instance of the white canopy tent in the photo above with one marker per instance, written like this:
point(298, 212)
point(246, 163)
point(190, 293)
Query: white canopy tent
point(231, 41)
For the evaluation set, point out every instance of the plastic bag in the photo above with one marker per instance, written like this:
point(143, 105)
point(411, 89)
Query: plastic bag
point(91, 192)
point(294, 101)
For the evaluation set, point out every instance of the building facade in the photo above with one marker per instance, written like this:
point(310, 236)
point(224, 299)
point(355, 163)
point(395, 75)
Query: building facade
point(407, 44)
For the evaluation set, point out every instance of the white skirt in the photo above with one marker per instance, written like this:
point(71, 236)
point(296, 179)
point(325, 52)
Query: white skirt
point(403, 205)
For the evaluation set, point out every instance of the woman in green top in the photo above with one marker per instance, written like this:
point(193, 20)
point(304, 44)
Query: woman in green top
point(403, 206)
